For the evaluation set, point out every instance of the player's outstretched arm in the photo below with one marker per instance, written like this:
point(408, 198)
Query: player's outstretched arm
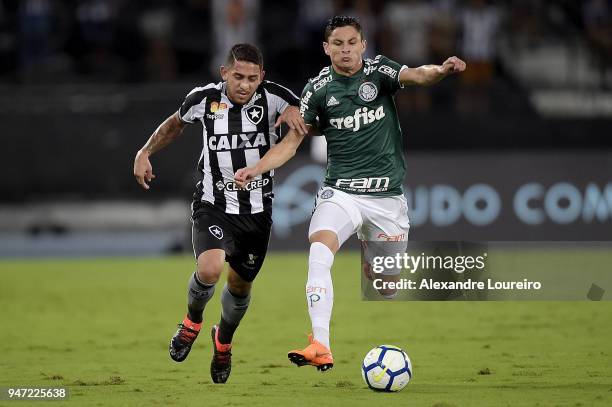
point(274, 158)
point(430, 74)
point(169, 130)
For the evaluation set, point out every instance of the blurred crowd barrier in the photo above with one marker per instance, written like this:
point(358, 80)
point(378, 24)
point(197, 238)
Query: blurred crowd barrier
point(519, 196)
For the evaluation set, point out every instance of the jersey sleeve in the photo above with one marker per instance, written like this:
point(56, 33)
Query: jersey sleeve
point(193, 107)
point(282, 96)
point(389, 72)
point(309, 107)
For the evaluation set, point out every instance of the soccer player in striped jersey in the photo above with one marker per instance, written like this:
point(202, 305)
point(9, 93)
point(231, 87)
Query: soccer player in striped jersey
point(351, 102)
point(240, 117)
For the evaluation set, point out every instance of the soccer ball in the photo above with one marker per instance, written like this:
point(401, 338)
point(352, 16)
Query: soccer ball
point(386, 368)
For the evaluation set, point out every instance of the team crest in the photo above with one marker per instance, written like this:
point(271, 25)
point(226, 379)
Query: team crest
point(216, 231)
point(367, 91)
point(327, 193)
point(254, 114)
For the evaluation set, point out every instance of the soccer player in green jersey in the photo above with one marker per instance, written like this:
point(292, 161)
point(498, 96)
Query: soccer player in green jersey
point(351, 103)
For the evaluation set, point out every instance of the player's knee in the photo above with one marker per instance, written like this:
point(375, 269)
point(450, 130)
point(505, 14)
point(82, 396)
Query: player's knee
point(209, 269)
point(327, 237)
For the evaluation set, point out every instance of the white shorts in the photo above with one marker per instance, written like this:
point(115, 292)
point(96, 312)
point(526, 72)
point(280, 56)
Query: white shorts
point(373, 218)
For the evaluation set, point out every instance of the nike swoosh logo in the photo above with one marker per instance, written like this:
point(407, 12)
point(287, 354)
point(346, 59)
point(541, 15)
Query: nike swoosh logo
point(378, 377)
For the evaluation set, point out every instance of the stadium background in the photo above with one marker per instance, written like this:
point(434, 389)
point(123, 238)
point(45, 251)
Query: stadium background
point(517, 148)
point(84, 83)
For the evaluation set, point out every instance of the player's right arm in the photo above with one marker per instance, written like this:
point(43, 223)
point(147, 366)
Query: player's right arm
point(165, 133)
point(189, 112)
point(274, 158)
point(285, 150)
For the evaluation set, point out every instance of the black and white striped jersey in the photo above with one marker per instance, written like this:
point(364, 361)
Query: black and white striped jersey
point(235, 136)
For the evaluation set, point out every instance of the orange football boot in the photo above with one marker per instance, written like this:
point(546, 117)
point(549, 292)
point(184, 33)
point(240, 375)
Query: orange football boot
point(316, 354)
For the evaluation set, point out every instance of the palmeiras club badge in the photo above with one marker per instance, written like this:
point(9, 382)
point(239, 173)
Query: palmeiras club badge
point(367, 91)
point(254, 114)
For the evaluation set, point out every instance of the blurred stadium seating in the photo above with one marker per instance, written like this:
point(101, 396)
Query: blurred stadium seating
point(83, 84)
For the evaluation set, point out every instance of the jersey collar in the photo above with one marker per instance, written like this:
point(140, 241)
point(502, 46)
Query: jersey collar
point(251, 100)
point(357, 75)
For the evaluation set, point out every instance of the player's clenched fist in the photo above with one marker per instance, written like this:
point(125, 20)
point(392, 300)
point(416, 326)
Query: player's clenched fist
point(244, 175)
point(453, 65)
point(292, 118)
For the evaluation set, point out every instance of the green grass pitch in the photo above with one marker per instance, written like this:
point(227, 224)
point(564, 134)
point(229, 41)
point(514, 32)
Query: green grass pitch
point(102, 326)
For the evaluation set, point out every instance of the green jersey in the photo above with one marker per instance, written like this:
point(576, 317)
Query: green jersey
point(358, 118)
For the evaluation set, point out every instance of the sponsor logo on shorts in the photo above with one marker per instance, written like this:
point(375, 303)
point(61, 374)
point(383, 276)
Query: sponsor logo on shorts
point(250, 263)
point(251, 260)
point(388, 238)
point(367, 91)
point(327, 193)
point(216, 231)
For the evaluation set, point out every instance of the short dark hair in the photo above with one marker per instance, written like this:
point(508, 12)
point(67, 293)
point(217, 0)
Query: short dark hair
point(245, 52)
point(342, 21)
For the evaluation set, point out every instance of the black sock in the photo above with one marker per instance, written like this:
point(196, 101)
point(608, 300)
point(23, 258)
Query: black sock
point(226, 331)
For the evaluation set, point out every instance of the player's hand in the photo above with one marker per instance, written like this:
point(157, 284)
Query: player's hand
point(244, 175)
point(143, 170)
point(452, 65)
point(292, 118)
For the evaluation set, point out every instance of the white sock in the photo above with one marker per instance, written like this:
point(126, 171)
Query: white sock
point(319, 291)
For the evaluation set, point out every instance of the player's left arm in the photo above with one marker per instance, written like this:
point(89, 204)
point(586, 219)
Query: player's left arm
point(291, 117)
point(272, 159)
point(429, 74)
